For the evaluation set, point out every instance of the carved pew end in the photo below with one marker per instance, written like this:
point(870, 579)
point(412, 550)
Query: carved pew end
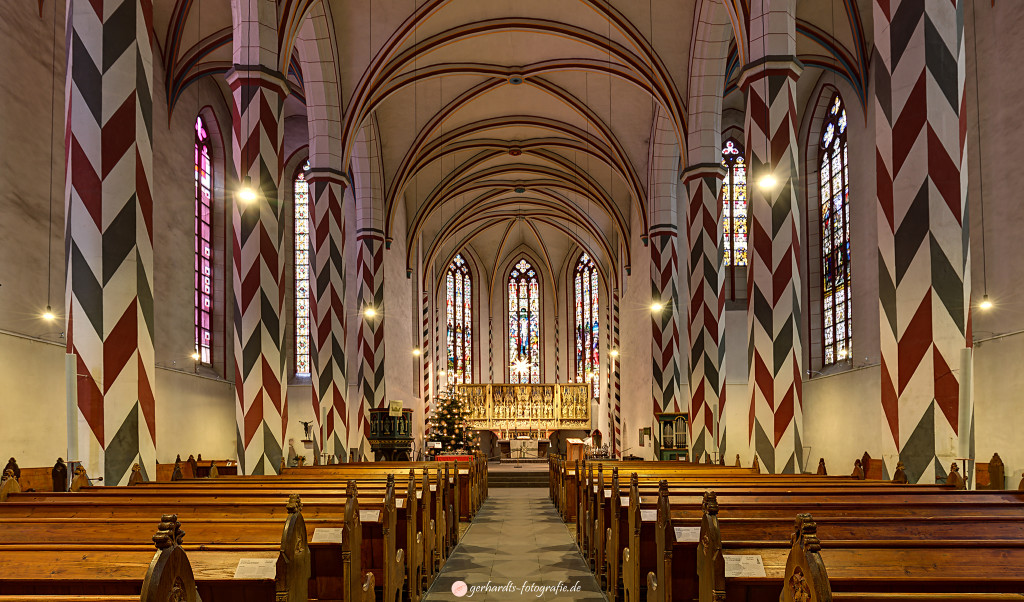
point(8, 485)
point(170, 574)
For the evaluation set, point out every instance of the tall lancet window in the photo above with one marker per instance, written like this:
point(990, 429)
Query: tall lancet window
point(836, 298)
point(203, 282)
point(588, 365)
point(459, 287)
point(734, 205)
point(302, 271)
point(523, 323)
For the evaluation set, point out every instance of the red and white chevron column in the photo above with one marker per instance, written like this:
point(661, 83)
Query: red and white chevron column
point(705, 323)
point(259, 280)
point(370, 270)
point(425, 353)
point(665, 322)
point(923, 235)
point(614, 382)
point(327, 308)
point(109, 233)
point(773, 279)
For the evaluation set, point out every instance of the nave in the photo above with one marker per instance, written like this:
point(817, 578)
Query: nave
point(398, 531)
point(515, 543)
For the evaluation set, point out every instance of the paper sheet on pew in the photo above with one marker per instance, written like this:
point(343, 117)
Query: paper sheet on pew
point(687, 534)
point(649, 516)
point(744, 565)
point(369, 516)
point(256, 568)
point(327, 535)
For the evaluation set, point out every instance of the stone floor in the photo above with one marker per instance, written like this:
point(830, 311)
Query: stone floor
point(517, 537)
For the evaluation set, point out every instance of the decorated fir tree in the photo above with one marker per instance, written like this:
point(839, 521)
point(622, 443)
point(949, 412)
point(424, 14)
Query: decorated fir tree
point(449, 425)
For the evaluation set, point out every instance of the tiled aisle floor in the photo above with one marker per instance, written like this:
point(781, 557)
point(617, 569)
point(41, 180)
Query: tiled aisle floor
point(517, 536)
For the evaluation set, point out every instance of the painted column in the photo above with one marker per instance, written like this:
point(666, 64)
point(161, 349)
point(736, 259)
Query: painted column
point(327, 308)
point(109, 233)
point(426, 351)
point(923, 234)
point(705, 323)
point(259, 277)
point(370, 296)
point(665, 322)
point(614, 382)
point(775, 350)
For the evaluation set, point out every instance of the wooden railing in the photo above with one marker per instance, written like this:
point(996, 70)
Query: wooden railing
point(513, 408)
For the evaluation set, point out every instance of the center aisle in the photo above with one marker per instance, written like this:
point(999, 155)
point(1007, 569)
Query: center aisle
point(518, 537)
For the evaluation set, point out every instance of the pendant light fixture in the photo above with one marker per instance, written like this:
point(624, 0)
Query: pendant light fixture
point(246, 191)
point(986, 303)
point(48, 315)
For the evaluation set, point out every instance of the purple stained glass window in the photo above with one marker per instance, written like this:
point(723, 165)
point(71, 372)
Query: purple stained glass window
point(836, 298)
point(734, 205)
point(302, 315)
point(588, 365)
point(459, 304)
point(523, 323)
point(203, 254)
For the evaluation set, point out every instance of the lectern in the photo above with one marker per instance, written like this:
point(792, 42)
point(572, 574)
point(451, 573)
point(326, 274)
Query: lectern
point(573, 450)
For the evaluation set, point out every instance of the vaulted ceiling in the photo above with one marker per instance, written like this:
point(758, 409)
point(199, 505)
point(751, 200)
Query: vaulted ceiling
point(511, 123)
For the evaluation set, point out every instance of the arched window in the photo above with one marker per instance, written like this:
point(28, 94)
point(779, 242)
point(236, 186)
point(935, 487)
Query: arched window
point(459, 287)
point(734, 205)
point(836, 299)
point(523, 323)
point(588, 365)
point(302, 271)
point(203, 254)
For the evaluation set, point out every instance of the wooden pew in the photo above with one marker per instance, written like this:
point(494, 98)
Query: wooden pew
point(430, 512)
point(765, 502)
point(112, 573)
point(391, 573)
point(807, 572)
point(679, 549)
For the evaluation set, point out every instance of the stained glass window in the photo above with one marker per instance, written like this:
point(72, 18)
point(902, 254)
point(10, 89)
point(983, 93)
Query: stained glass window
point(836, 299)
point(459, 287)
point(523, 323)
point(588, 366)
point(203, 254)
point(734, 205)
point(302, 271)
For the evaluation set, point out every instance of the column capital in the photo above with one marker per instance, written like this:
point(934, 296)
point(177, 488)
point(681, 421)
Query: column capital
point(773, 64)
point(663, 230)
point(702, 170)
point(257, 75)
point(328, 174)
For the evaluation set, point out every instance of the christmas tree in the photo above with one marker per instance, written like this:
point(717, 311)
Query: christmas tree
point(449, 425)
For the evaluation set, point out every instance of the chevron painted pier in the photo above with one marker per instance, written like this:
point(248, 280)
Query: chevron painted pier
point(109, 233)
point(259, 281)
point(923, 235)
point(327, 347)
point(705, 324)
point(774, 320)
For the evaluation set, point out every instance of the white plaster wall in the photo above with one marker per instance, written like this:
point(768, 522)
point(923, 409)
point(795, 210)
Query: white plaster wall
point(401, 333)
point(194, 415)
point(842, 418)
point(735, 425)
point(998, 419)
point(33, 424)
